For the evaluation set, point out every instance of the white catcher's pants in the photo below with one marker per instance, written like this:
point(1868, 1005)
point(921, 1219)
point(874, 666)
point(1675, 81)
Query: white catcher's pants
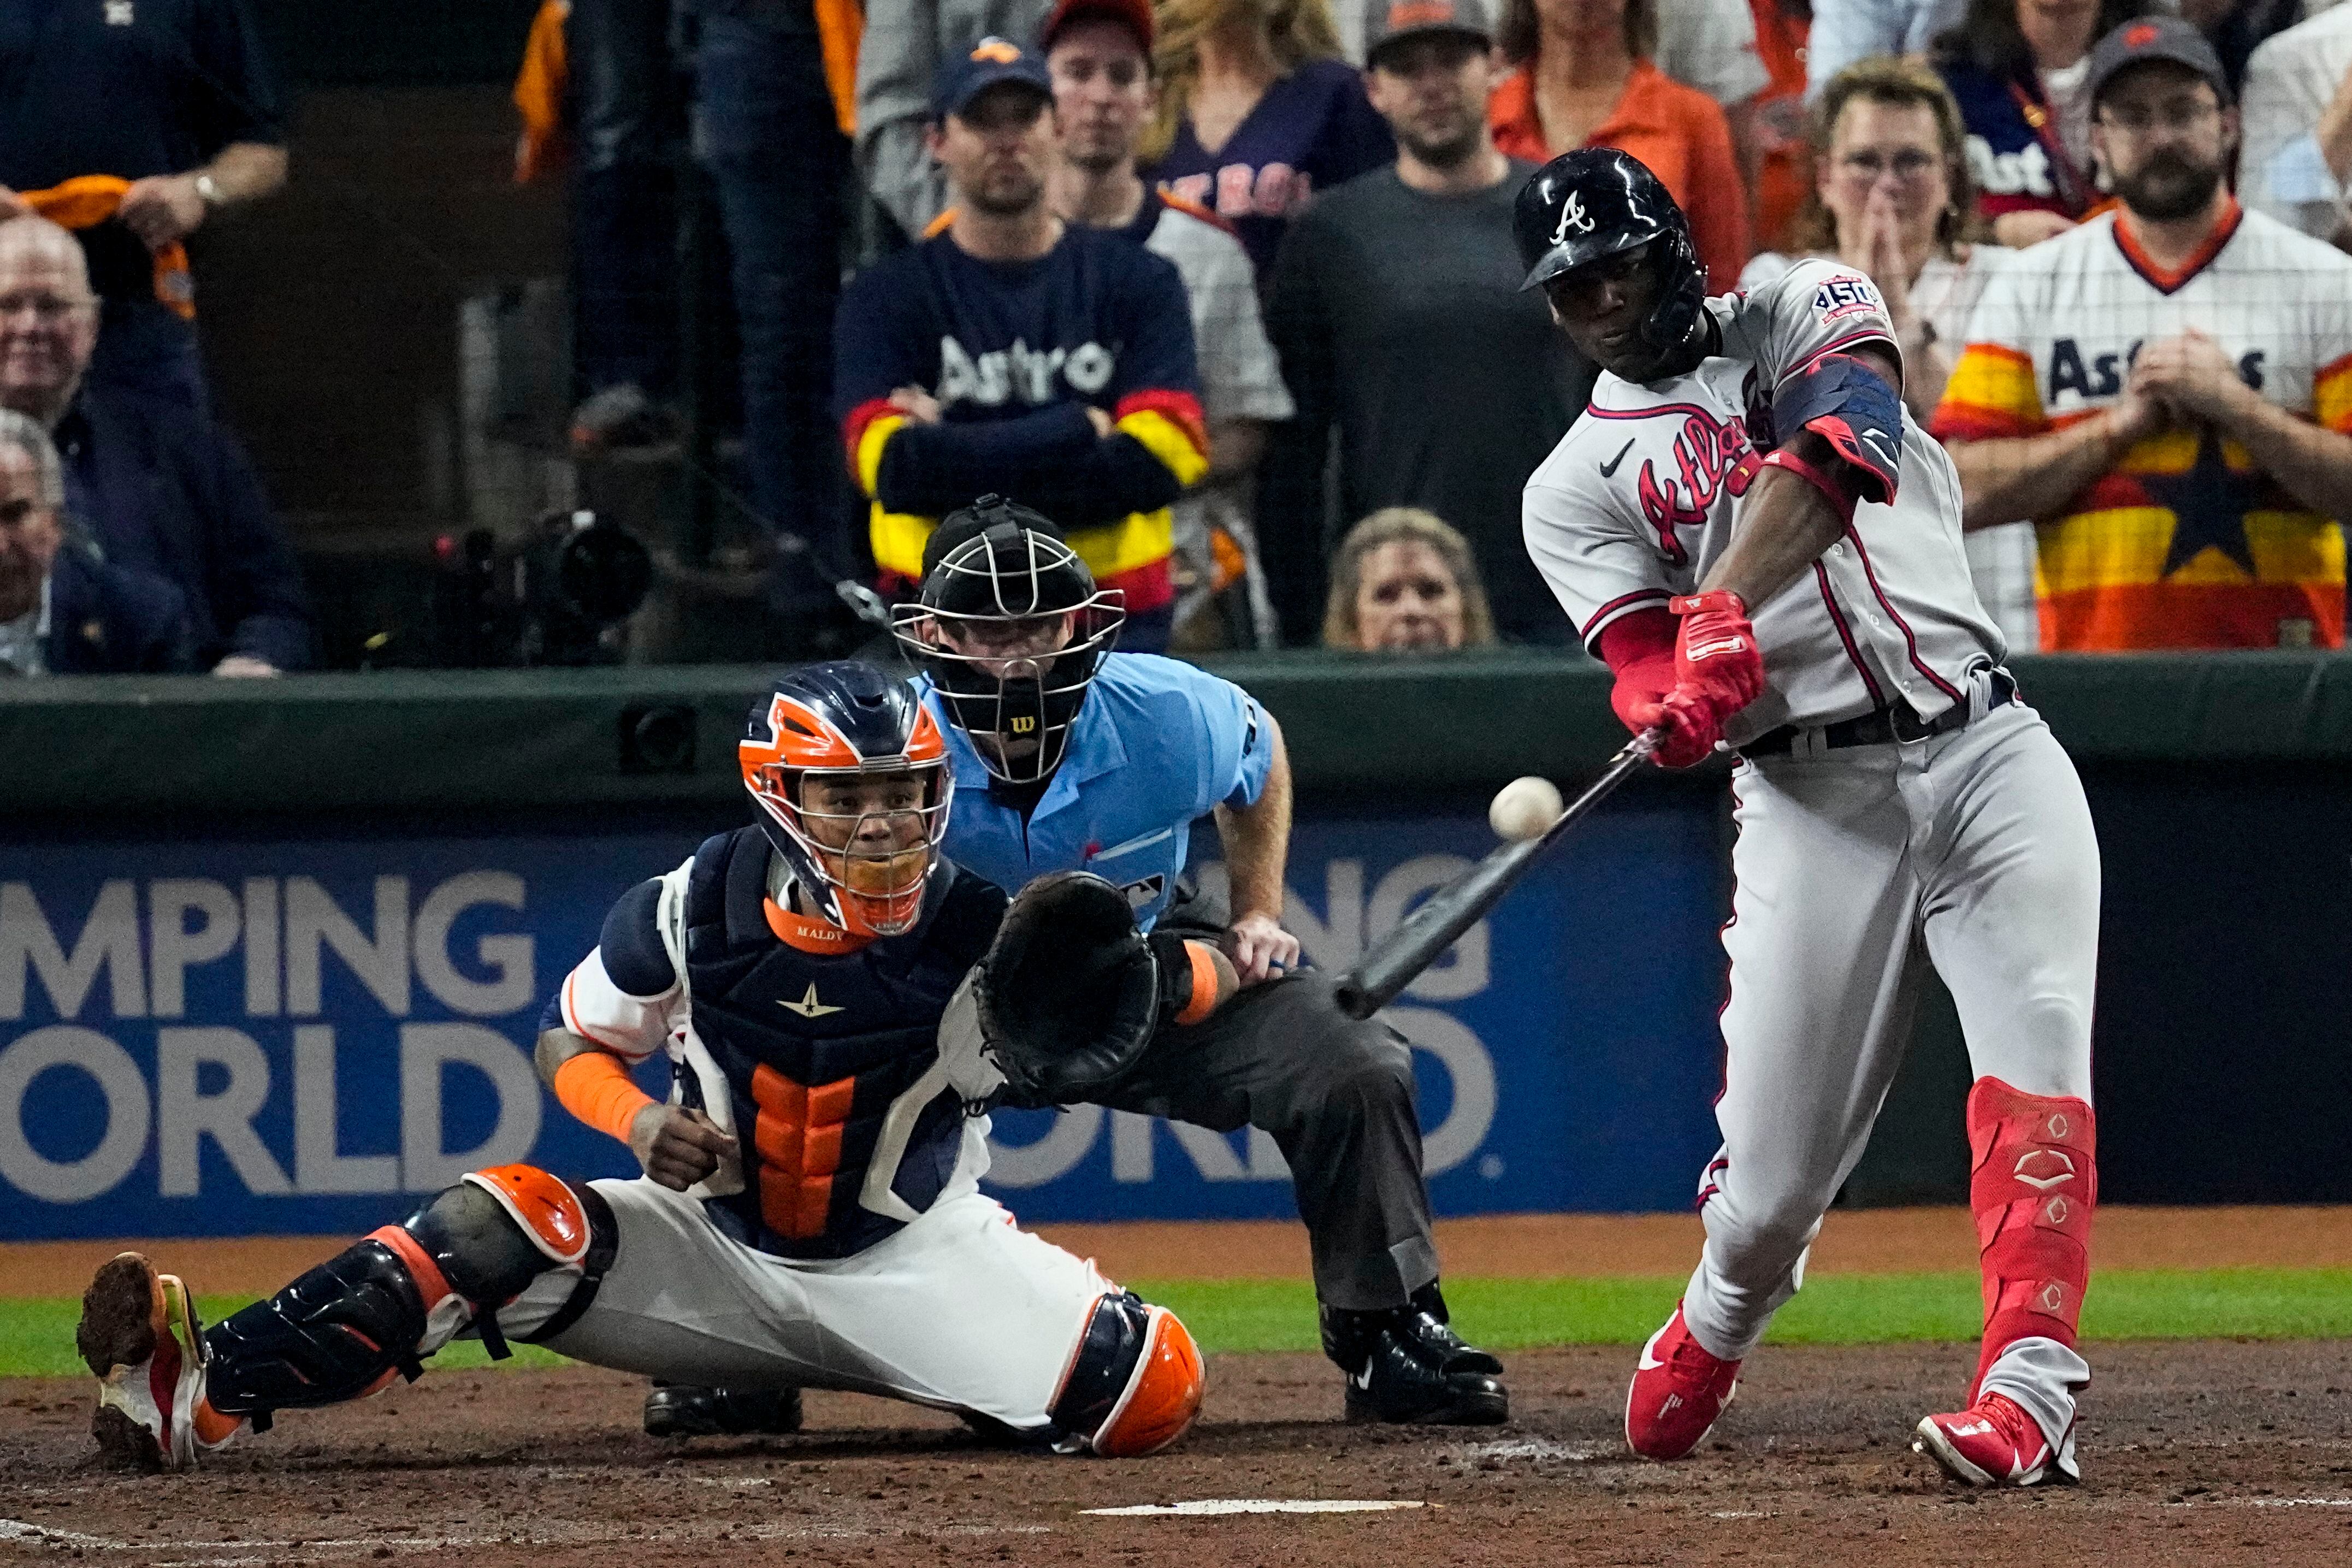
point(1972, 849)
point(960, 1309)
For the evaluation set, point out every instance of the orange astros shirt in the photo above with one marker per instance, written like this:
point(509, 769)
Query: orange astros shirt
point(1677, 131)
point(2185, 543)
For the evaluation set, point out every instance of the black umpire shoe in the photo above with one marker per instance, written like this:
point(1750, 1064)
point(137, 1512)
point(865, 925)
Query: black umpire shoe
point(681, 1410)
point(1407, 1366)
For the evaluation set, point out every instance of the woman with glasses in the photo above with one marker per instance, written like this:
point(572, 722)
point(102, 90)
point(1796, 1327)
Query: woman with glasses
point(1892, 195)
point(2020, 70)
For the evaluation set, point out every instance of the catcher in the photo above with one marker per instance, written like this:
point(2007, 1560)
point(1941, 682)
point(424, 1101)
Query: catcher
point(810, 1199)
point(1089, 760)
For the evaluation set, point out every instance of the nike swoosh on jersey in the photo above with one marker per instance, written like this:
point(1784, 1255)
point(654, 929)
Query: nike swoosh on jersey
point(1609, 469)
point(808, 1007)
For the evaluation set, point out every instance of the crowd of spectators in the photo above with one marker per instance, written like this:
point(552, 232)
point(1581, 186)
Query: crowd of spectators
point(1330, 182)
point(138, 536)
point(1228, 289)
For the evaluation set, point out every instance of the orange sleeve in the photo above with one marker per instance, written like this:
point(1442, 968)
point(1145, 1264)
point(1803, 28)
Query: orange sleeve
point(541, 89)
point(597, 1089)
point(840, 29)
point(1719, 215)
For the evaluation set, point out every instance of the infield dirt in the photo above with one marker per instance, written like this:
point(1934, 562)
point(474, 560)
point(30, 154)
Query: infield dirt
point(2205, 1453)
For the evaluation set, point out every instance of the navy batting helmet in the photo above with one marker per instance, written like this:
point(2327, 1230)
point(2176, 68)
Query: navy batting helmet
point(1596, 201)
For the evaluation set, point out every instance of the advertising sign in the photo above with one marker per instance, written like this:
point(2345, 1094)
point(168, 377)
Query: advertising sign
point(227, 1038)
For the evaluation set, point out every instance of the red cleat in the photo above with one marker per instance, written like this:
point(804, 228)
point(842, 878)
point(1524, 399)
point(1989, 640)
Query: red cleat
point(1993, 1443)
point(1679, 1391)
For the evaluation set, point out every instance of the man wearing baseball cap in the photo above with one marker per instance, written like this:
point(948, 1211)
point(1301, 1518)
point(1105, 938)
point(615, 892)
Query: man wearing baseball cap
point(1100, 54)
point(1397, 311)
point(2167, 388)
point(1011, 352)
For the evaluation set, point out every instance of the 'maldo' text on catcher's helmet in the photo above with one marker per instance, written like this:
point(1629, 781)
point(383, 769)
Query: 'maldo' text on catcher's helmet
point(864, 870)
point(1011, 629)
point(1596, 201)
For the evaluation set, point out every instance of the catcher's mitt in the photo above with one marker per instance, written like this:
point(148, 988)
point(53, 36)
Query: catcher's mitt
point(1071, 993)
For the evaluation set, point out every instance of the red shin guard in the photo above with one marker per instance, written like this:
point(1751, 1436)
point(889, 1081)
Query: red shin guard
point(2035, 1182)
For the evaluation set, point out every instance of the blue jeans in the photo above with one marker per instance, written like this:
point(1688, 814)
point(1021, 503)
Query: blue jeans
point(628, 109)
point(764, 128)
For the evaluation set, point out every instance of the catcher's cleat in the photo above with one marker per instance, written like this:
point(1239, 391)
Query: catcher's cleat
point(139, 1338)
point(1405, 1368)
point(1679, 1391)
point(682, 1410)
point(1992, 1443)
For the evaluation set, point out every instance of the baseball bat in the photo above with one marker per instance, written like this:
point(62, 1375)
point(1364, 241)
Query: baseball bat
point(1396, 959)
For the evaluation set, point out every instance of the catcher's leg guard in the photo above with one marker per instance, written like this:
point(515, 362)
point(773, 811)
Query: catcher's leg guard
point(340, 1331)
point(2035, 1182)
point(1134, 1385)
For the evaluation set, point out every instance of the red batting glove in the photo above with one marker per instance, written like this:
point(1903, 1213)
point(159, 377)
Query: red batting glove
point(1687, 728)
point(1716, 671)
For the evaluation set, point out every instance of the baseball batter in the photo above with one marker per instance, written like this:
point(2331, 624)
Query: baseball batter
point(810, 1198)
point(1747, 527)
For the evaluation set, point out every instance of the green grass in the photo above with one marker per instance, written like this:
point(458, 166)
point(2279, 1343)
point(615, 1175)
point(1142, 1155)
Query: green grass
point(36, 1335)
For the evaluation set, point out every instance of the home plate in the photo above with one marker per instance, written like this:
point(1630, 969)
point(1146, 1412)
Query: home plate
point(1249, 1505)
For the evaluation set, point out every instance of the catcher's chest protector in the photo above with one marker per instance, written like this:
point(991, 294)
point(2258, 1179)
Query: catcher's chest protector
point(816, 1046)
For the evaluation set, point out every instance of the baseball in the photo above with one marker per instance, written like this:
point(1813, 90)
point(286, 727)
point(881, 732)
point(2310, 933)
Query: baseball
point(1524, 808)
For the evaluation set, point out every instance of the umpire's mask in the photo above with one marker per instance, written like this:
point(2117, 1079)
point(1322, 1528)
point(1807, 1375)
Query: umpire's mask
point(1011, 629)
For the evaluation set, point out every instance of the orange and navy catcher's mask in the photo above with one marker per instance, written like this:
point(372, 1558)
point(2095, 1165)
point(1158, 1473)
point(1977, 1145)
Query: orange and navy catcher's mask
point(865, 869)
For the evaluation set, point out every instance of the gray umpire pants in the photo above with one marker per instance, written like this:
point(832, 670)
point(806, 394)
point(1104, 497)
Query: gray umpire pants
point(1337, 1097)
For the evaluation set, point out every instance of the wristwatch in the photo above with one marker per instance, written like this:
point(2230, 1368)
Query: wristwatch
point(209, 192)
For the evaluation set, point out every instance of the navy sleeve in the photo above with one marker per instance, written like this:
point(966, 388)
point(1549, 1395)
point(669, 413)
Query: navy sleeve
point(1156, 325)
point(167, 644)
point(931, 469)
point(252, 578)
point(235, 96)
point(884, 336)
point(634, 956)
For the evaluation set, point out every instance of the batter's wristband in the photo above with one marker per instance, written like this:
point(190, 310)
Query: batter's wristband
point(1714, 601)
point(1840, 502)
point(596, 1088)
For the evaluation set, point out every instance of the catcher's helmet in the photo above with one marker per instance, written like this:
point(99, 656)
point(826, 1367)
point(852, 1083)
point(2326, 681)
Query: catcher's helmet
point(1011, 629)
point(1596, 201)
point(865, 870)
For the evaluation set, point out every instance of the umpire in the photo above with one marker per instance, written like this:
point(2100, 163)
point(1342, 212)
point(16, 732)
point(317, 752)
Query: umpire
point(1073, 758)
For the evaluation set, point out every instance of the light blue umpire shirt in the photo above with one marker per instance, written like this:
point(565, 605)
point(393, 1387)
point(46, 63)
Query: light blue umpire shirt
point(1157, 744)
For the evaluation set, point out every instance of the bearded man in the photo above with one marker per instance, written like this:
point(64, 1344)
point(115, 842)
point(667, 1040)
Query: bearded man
point(2167, 389)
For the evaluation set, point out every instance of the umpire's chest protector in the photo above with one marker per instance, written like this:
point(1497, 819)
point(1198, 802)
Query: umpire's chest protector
point(817, 1046)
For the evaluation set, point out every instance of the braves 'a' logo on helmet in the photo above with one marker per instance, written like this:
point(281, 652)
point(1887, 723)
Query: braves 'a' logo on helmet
point(1571, 220)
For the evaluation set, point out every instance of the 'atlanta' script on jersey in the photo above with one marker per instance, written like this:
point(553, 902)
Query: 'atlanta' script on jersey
point(1712, 455)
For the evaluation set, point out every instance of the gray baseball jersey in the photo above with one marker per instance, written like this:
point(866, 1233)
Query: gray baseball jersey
point(1640, 496)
